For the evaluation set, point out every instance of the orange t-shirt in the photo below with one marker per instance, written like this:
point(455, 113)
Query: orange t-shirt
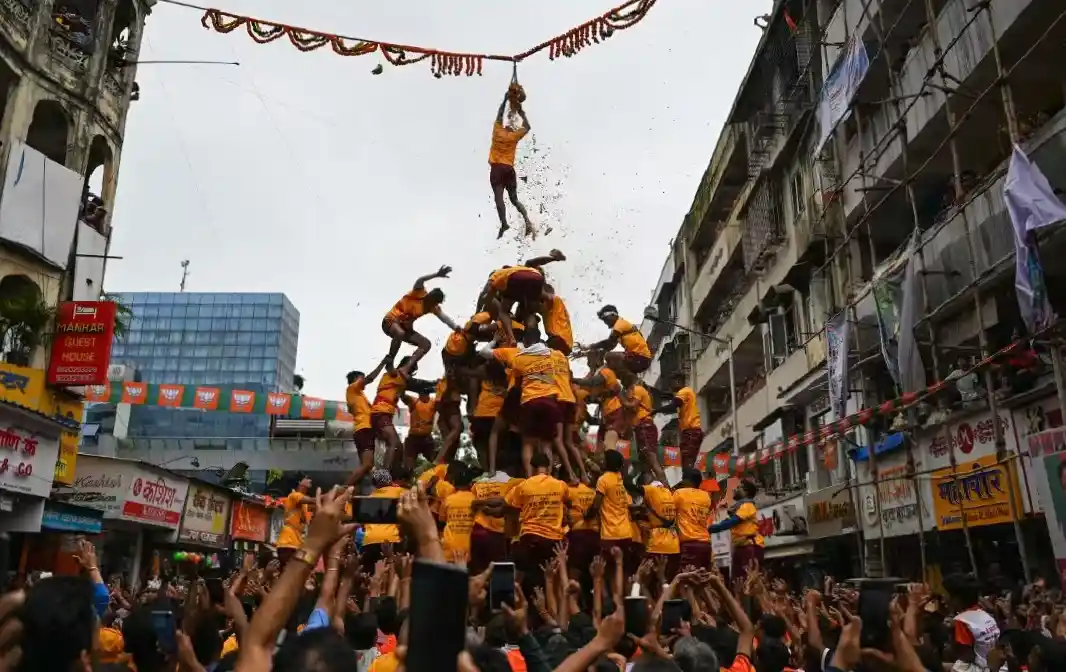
point(643, 398)
point(581, 498)
point(537, 371)
point(505, 144)
point(608, 391)
point(386, 533)
point(358, 404)
point(459, 343)
point(581, 396)
point(457, 513)
point(557, 321)
point(561, 374)
point(385, 663)
point(296, 517)
point(541, 501)
point(490, 401)
point(409, 308)
point(688, 416)
point(693, 507)
point(741, 664)
point(631, 338)
point(422, 412)
point(437, 471)
point(660, 502)
point(498, 279)
point(491, 490)
point(390, 387)
point(615, 522)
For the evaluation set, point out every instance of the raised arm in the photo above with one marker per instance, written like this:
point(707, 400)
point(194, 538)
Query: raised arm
point(595, 380)
point(606, 344)
point(443, 317)
point(370, 377)
point(442, 272)
point(503, 108)
point(537, 262)
point(525, 119)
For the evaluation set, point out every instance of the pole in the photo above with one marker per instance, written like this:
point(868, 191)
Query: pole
point(733, 398)
point(184, 274)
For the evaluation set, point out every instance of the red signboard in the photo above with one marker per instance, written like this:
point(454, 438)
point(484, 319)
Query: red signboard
point(249, 521)
point(81, 350)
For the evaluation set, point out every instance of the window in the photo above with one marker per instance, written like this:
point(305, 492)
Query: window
point(274, 312)
point(275, 299)
point(192, 311)
point(180, 298)
point(233, 324)
point(229, 351)
point(199, 365)
point(200, 351)
point(259, 312)
point(258, 338)
point(247, 325)
point(166, 311)
point(207, 299)
point(218, 324)
point(259, 298)
point(228, 364)
point(150, 311)
point(178, 324)
point(797, 193)
point(229, 338)
point(247, 311)
point(203, 324)
point(244, 338)
point(185, 365)
point(215, 337)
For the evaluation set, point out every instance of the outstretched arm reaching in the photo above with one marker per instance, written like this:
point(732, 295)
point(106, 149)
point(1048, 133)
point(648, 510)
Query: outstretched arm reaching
point(446, 320)
point(369, 378)
point(503, 108)
point(525, 119)
point(606, 344)
point(442, 272)
point(537, 262)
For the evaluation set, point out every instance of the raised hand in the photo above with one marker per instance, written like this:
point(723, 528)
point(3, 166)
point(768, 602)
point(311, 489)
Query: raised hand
point(444, 271)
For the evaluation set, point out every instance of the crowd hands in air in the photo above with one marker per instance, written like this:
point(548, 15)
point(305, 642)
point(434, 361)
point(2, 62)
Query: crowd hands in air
point(564, 616)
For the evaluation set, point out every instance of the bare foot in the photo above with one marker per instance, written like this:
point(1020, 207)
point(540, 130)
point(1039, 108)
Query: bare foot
point(503, 230)
point(404, 371)
point(531, 231)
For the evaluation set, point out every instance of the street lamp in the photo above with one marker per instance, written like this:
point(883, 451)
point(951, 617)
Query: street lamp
point(195, 462)
point(652, 313)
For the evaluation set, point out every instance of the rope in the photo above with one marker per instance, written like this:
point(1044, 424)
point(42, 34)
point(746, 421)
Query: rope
point(441, 62)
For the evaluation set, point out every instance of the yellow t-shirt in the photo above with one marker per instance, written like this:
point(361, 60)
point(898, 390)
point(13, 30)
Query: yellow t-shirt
point(746, 532)
point(442, 491)
point(459, 342)
point(581, 498)
point(383, 534)
point(541, 502)
point(296, 517)
point(537, 372)
point(390, 387)
point(561, 375)
point(557, 321)
point(422, 413)
point(409, 308)
point(615, 522)
point(608, 391)
point(490, 401)
point(643, 398)
point(660, 502)
point(387, 663)
point(498, 279)
point(358, 404)
point(458, 517)
point(694, 512)
point(631, 338)
point(688, 416)
point(505, 144)
point(491, 490)
point(437, 471)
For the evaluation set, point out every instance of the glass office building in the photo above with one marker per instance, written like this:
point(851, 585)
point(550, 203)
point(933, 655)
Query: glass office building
point(192, 338)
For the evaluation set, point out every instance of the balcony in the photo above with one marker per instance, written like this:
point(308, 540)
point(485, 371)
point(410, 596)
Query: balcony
point(796, 366)
point(16, 21)
point(750, 410)
point(715, 263)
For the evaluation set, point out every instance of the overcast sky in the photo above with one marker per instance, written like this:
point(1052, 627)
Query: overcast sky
point(303, 173)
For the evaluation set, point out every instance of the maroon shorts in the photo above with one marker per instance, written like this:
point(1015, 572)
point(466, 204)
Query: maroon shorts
point(512, 403)
point(632, 553)
point(691, 440)
point(481, 429)
point(486, 547)
point(636, 363)
point(525, 286)
point(364, 440)
point(408, 328)
point(568, 410)
point(502, 175)
point(539, 418)
point(696, 554)
point(556, 343)
point(423, 445)
point(380, 421)
point(584, 546)
point(647, 435)
point(673, 561)
point(449, 409)
point(743, 556)
point(615, 420)
point(531, 552)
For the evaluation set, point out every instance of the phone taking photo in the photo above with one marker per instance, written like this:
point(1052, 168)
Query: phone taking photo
point(437, 616)
point(501, 585)
point(374, 510)
point(165, 626)
point(673, 614)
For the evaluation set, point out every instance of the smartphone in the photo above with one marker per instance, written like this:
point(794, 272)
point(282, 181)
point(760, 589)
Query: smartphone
point(875, 598)
point(374, 510)
point(636, 613)
point(166, 628)
point(673, 613)
point(215, 590)
point(501, 585)
point(437, 616)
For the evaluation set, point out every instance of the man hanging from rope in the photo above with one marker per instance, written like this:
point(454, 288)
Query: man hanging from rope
point(505, 139)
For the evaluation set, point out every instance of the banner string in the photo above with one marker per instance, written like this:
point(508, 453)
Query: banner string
point(441, 62)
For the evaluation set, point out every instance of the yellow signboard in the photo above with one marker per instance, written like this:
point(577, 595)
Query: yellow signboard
point(980, 489)
point(25, 387)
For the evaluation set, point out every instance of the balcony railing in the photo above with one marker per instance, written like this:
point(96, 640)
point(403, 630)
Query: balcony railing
point(16, 17)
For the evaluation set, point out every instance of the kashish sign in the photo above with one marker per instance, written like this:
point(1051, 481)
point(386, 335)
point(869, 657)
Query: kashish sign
point(81, 349)
point(127, 490)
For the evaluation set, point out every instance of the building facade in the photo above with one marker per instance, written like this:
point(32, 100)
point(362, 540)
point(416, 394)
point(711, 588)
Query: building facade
point(200, 338)
point(867, 150)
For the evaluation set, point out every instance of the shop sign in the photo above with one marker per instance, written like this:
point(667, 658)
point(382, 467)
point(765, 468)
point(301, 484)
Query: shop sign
point(27, 461)
point(25, 387)
point(127, 490)
point(66, 520)
point(829, 512)
point(249, 521)
point(205, 516)
point(981, 490)
point(972, 438)
point(81, 349)
point(783, 523)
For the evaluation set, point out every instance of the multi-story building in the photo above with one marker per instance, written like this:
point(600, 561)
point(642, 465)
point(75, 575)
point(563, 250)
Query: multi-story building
point(865, 157)
point(66, 81)
point(200, 338)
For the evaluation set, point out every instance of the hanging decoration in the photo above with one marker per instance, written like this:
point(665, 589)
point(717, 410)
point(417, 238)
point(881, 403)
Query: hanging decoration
point(440, 62)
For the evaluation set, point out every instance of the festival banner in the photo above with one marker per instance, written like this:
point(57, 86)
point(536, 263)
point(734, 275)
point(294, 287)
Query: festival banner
point(671, 456)
point(212, 398)
point(81, 347)
point(170, 396)
point(980, 489)
point(840, 88)
point(836, 336)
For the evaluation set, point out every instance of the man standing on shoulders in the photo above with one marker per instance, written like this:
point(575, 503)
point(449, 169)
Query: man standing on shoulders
point(743, 525)
point(694, 510)
point(689, 424)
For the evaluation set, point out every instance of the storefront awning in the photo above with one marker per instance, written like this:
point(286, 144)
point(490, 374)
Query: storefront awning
point(888, 444)
point(789, 551)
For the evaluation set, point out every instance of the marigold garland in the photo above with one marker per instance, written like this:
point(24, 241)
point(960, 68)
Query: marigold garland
point(440, 62)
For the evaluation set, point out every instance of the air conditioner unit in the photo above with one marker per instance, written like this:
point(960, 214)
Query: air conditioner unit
point(790, 519)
